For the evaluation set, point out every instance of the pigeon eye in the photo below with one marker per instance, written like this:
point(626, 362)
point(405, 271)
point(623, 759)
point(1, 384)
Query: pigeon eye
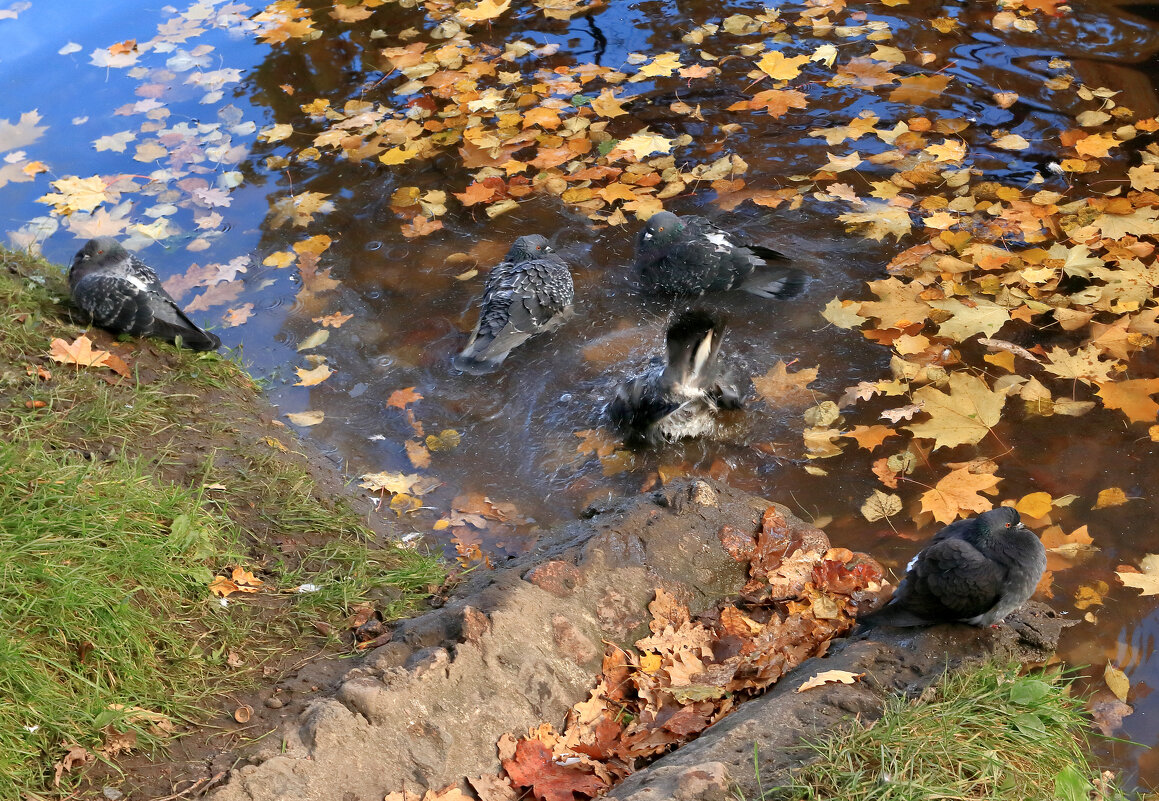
point(1007, 525)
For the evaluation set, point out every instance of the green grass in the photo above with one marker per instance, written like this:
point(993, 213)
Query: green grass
point(108, 542)
point(104, 608)
point(986, 734)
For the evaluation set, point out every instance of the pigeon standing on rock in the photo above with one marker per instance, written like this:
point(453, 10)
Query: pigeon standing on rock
point(678, 399)
point(120, 292)
point(973, 571)
point(527, 293)
point(688, 256)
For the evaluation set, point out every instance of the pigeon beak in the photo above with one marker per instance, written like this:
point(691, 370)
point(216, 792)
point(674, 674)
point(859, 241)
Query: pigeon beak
point(647, 235)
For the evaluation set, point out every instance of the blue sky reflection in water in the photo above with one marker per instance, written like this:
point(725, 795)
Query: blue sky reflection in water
point(180, 111)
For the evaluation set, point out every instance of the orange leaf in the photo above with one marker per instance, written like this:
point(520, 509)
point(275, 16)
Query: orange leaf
point(919, 89)
point(778, 385)
point(543, 117)
point(869, 437)
point(401, 398)
point(1132, 397)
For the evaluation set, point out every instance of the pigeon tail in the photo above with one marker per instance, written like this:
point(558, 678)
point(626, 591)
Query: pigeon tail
point(777, 283)
point(693, 341)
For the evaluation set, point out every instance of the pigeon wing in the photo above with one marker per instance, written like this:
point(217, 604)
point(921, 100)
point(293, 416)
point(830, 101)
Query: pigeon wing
point(957, 576)
point(115, 302)
point(519, 300)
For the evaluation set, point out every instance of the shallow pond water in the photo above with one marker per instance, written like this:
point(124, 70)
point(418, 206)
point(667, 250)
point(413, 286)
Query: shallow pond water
point(172, 120)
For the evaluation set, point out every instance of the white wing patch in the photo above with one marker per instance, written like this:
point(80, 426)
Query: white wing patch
point(719, 241)
point(137, 282)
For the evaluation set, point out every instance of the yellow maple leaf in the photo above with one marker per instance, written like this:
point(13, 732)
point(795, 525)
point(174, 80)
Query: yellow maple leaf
point(958, 493)
point(880, 219)
point(645, 144)
point(483, 10)
point(79, 352)
point(607, 105)
point(76, 194)
point(661, 66)
point(778, 386)
point(962, 417)
point(780, 68)
point(308, 378)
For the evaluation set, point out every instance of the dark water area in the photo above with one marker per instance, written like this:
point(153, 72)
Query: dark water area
point(413, 301)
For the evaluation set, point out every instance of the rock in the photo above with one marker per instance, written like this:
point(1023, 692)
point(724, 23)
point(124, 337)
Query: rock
point(524, 643)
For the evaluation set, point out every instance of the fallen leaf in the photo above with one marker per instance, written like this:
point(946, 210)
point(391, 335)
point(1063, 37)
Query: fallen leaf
point(309, 378)
point(401, 398)
point(306, 419)
point(778, 386)
point(958, 493)
point(830, 677)
point(1111, 496)
point(1117, 681)
point(79, 352)
point(879, 505)
point(962, 417)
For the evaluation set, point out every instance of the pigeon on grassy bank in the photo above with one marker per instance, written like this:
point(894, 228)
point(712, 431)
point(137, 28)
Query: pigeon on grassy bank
point(973, 571)
point(688, 256)
point(678, 399)
point(120, 292)
point(527, 293)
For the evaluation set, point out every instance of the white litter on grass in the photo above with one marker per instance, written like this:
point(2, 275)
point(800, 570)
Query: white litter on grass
point(308, 588)
point(32, 729)
point(223, 602)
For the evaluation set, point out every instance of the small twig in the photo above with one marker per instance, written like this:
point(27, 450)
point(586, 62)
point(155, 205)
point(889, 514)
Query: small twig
point(195, 786)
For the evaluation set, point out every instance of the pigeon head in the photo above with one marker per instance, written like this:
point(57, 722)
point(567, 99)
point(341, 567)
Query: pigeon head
point(662, 228)
point(98, 251)
point(527, 247)
point(997, 522)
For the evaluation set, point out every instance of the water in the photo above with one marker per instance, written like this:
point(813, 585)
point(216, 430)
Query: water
point(412, 301)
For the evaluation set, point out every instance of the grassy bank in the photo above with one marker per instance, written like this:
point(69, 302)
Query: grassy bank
point(986, 734)
point(123, 498)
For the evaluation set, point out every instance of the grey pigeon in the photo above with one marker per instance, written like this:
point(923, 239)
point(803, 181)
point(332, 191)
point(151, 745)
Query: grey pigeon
point(973, 571)
point(120, 292)
point(527, 293)
point(680, 398)
point(689, 256)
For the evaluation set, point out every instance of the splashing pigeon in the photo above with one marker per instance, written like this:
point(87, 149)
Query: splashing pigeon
point(120, 292)
point(973, 571)
point(527, 293)
point(688, 256)
point(678, 399)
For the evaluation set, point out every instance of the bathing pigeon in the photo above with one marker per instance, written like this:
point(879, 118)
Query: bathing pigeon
point(678, 399)
point(688, 256)
point(974, 571)
point(120, 292)
point(527, 293)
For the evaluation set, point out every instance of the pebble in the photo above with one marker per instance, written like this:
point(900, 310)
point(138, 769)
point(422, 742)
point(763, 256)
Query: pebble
point(273, 702)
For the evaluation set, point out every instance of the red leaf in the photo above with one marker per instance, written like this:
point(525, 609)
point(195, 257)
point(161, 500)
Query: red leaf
point(533, 767)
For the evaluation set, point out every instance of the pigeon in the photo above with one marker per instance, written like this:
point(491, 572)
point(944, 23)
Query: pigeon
point(974, 571)
point(678, 399)
point(689, 256)
point(120, 292)
point(527, 293)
